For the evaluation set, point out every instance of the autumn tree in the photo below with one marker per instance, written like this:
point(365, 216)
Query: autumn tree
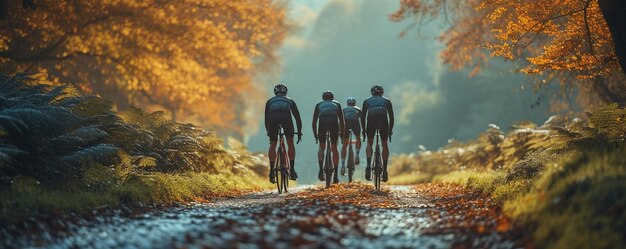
point(565, 41)
point(195, 58)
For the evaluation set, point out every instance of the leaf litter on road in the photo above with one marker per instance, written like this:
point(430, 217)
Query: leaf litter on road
point(345, 215)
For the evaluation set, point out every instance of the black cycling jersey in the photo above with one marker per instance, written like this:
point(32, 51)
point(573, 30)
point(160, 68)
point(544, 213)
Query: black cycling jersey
point(378, 111)
point(278, 110)
point(352, 117)
point(330, 117)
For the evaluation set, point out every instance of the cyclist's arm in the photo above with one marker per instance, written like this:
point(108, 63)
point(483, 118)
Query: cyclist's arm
point(316, 114)
point(390, 112)
point(359, 113)
point(267, 122)
point(363, 114)
point(296, 114)
point(342, 124)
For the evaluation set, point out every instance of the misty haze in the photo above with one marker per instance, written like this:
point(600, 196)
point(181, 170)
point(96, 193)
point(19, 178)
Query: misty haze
point(349, 46)
point(142, 124)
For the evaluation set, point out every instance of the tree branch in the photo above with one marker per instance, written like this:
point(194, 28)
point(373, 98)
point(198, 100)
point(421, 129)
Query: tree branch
point(42, 53)
point(587, 28)
point(543, 22)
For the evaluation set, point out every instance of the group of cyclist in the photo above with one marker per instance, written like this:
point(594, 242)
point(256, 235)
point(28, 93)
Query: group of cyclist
point(377, 114)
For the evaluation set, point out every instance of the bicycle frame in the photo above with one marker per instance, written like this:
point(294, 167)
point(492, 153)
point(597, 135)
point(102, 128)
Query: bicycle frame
point(350, 155)
point(378, 164)
point(282, 163)
point(328, 161)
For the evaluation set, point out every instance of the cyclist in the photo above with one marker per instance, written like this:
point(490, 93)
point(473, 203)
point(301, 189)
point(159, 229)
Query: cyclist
point(330, 117)
point(352, 117)
point(278, 111)
point(378, 112)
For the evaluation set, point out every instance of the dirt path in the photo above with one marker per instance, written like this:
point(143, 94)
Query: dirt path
point(352, 216)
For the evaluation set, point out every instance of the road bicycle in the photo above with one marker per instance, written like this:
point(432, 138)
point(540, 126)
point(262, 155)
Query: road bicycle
point(377, 168)
point(281, 169)
point(350, 158)
point(328, 161)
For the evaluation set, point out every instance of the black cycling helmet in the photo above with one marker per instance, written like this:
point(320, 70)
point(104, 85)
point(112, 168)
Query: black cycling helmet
point(328, 95)
point(351, 101)
point(280, 88)
point(377, 90)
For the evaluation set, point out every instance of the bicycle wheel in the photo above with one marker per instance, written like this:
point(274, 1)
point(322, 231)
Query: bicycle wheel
point(350, 163)
point(377, 168)
point(284, 174)
point(277, 169)
point(328, 166)
point(285, 171)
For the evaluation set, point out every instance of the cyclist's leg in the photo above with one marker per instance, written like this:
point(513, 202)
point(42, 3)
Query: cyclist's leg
point(357, 135)
point(292, 155)
point(371, 130)
point(272, 155)
point(289, 133)
point(273, 136)
point(384, 136)
point(320, 153)
point(272, 133)
point(335, 153)
point(321, 137)
point(344, 150)
point(334, 136)
point(292, 149)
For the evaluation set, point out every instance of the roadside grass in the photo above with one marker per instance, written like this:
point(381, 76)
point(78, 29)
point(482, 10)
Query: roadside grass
point(411, 178)
point(565, 180)
point(577, 201)
point(25, 199)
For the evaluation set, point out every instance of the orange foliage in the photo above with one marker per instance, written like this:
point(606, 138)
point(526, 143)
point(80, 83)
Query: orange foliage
point(568, 35)
point(568, 40)
point(195, 58)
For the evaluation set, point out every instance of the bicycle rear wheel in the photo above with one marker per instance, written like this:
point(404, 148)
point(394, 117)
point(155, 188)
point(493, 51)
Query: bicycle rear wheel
point(284, 175)
point(377, 168)
point(328, 166)
point(278, 169)
point(350, 163)
point(285, 170)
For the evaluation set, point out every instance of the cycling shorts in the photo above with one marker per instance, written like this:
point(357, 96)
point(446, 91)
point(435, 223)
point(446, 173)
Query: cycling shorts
point(287, 124)
point(333, 126)
point(355, 127)
point(378, 123)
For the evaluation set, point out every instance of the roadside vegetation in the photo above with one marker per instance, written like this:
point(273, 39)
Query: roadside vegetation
point(564, 179)
point(62, 151)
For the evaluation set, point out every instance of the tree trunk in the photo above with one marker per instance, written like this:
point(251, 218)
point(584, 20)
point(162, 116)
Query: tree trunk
point(614, 12)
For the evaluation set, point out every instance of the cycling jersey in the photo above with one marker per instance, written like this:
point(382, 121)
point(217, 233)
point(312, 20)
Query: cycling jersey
point(330, 114)
point(278, 110)
point(378, 111)
point(352, 118)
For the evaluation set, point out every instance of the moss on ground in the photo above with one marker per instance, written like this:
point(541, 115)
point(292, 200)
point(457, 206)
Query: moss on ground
point(24, 199)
